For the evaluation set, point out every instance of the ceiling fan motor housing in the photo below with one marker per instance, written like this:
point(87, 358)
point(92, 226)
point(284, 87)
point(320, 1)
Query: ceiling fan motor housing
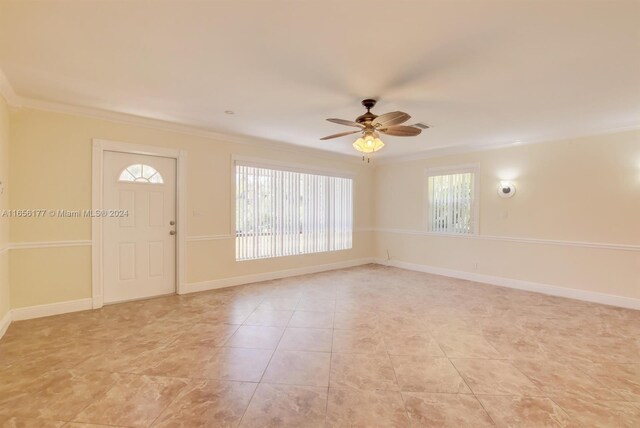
point(370, 124)
point(369, 103)
point(368, 116)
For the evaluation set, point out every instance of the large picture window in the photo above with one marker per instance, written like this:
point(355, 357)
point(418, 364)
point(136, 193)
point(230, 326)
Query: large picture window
point(453, 200)
point(281, 212)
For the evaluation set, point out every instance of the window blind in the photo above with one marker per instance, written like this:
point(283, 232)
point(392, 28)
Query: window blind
point(451, 203)
point(284, 213)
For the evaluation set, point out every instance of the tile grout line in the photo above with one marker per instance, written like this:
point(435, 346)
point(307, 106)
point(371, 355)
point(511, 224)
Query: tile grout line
point(546, 393)
point(170, 403)
point(472, 391)
point(404, 404)
point(103, 394)
point(258, 383)
point(563, 409)
point(333, 330)
point(66, 423)
point(365, 303)
point(483, 407)
point(265, 368)
point(464, 380)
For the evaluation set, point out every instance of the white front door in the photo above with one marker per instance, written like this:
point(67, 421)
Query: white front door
point(140, 247)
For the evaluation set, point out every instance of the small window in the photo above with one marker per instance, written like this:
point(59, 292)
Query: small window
point(453, 201)
point(141, 173)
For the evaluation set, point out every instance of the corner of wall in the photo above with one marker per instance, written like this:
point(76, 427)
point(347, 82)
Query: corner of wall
point(541, 240)
point(5, 303)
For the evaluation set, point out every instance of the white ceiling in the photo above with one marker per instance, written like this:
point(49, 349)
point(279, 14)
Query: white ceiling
point(480, 72)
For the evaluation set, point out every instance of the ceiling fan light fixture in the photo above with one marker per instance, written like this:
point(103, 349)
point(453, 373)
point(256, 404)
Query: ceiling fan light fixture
point(371, 125)
point(368, 144)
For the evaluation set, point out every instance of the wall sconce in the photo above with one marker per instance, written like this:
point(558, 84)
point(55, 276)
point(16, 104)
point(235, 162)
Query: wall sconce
point(506, 189)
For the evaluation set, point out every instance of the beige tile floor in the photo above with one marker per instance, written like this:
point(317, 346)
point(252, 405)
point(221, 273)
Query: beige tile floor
point(368, 346)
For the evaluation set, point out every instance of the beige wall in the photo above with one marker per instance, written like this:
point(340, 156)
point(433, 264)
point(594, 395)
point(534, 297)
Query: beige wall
point(51, 168)
point(585, 189)
point(4, 204)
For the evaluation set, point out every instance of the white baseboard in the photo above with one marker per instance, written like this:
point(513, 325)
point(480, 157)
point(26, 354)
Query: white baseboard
point(39, 311)
point(266, 276)
point(4, 323)
point(553, 290)
point(58, 308)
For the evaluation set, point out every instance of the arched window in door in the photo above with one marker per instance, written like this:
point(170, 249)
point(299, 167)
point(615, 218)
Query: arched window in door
point(141, 173)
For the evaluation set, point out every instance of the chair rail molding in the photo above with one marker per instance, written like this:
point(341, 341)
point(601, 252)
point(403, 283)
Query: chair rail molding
point(582, 244)
point(49, 244)
point(194, 238)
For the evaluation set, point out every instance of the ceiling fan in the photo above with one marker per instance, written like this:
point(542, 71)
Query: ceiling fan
point(370, 126)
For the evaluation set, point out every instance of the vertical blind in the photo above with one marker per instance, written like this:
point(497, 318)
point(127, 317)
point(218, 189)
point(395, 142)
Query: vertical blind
point(451, 203)
point(283, 213)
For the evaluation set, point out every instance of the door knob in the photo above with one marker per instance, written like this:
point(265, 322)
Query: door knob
point(173, 232)
point(172, 223)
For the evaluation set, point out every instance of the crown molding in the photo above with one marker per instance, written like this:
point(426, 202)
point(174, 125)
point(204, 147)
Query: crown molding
point(454, 150)
point(7, 92)
point(16, 101)
point(128, 119)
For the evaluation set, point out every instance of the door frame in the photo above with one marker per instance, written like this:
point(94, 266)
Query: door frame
point(97, 197)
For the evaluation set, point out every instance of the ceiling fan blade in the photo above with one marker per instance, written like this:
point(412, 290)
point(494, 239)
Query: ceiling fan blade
point(391, 119)
point(346, 122)
point(342, 134)
point(401, 131)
